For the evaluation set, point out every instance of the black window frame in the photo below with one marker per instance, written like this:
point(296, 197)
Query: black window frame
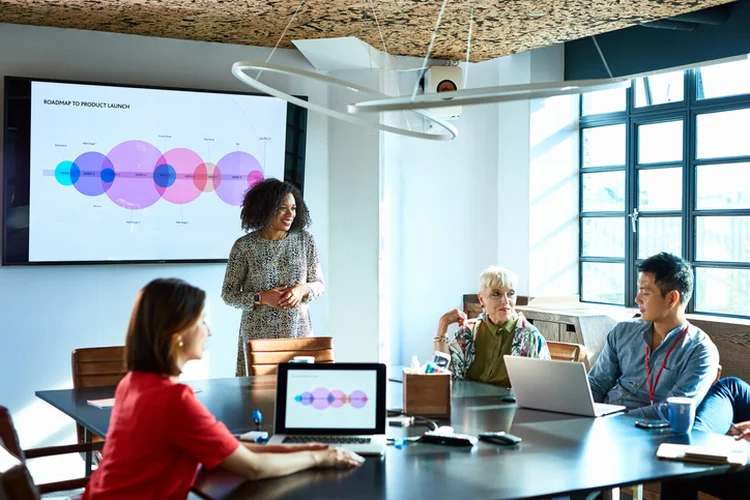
point(687, 110)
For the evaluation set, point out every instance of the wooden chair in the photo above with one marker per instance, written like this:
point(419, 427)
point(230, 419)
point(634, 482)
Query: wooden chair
point(97, 367)
point(15, 481)
point(566, 351)
point(262, 356)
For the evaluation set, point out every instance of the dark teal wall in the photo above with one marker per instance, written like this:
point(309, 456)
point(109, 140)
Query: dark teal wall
point(639, 49)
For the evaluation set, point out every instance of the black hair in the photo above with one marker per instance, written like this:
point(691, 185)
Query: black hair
point(670, 273)
point(264, 199)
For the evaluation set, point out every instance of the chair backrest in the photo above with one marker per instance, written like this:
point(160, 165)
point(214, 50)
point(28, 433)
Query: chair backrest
point(263, 355)
point(566, 351)
point(8, 434)
point(473, 308)
point(15, 480)
point(97, 367)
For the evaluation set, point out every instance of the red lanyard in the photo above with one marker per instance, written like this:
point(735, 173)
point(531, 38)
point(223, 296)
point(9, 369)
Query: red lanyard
point(652, 389)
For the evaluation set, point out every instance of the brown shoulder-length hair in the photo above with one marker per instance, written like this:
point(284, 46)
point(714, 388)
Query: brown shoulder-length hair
point(163, 308)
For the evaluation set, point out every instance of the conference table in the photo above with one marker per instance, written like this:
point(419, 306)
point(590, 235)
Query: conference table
point(560, 454)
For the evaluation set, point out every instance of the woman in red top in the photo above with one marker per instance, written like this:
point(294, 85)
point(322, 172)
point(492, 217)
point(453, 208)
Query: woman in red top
point(159, 432)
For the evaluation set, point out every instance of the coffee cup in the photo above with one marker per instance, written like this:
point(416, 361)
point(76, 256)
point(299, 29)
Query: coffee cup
point(681, 414)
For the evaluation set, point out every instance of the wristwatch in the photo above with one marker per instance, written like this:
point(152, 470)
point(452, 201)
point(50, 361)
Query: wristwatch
point(256, 299)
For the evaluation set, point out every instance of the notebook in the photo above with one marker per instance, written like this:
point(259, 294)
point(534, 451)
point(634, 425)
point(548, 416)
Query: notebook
point(701, 454)
point(552, 385)
point(341, 404)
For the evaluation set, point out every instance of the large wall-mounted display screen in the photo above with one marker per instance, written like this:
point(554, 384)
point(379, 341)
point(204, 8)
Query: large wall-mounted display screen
point(106, 173)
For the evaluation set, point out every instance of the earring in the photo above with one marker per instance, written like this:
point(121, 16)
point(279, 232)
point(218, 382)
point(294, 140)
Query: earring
point(179, 343)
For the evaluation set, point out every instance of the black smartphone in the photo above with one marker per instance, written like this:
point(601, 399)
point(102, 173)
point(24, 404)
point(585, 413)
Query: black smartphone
point(651, 424)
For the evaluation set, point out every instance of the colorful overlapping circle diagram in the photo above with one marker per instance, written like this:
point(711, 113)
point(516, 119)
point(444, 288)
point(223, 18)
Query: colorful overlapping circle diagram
point(135, 175)
point(321, 398)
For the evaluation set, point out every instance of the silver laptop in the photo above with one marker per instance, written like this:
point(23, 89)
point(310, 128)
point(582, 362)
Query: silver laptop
point(341, 404)
point(550, 385)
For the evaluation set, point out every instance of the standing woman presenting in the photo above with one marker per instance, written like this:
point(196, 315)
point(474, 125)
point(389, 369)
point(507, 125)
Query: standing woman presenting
point(274, 271)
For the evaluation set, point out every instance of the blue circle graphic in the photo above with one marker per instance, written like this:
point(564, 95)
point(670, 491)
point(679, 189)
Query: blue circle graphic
point(164, 175)
point(67, 173)
point(108, 175)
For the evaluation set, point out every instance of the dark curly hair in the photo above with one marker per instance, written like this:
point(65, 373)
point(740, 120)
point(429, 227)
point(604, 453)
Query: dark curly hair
point(264, 199)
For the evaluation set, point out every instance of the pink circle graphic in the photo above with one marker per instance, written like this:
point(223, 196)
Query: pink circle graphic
point(339, 398)
point(185, 163)
point(206, 177)
point(134, 163)
point(234, 173)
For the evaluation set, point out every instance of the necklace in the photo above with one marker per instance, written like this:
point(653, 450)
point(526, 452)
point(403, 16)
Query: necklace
point(277, 254)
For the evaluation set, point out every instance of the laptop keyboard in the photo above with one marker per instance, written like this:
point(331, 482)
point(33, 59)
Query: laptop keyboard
point(326, 439)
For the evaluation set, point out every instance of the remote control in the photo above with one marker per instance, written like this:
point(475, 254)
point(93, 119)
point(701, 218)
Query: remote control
point(449, 439)
point(501, 438)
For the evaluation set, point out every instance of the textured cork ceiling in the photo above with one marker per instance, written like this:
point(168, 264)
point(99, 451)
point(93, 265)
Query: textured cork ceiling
point(501, 27)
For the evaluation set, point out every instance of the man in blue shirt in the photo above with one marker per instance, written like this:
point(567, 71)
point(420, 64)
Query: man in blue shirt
point(659, 355)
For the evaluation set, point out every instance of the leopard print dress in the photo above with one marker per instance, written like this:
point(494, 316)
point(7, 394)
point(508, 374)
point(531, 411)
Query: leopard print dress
point(257, 264)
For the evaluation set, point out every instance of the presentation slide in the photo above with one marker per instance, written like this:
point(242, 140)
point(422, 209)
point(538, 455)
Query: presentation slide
point(331, 399)
point(132, 174)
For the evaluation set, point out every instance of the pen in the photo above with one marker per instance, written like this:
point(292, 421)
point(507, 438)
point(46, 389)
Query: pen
point(741, 434)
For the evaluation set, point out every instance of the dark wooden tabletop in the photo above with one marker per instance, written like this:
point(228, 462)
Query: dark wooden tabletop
point(560, 454)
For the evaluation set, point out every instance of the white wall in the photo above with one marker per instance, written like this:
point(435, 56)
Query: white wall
point(505, 192)
point(48, 311)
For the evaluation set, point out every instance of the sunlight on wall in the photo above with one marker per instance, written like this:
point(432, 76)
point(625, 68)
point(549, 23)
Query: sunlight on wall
point(39, 424)
point(553, 186)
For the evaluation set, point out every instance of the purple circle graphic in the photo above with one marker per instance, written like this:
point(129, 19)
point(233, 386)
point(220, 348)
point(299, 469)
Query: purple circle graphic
point(185, 163)
point(134, 163)
point(91, 166)
point(306, 398)
point(357, 399)
point(320, 399)
point(235, 169)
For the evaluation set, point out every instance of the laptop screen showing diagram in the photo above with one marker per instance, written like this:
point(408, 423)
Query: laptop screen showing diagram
point(330, 399)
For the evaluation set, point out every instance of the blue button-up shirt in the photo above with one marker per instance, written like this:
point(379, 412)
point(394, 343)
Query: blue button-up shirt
point(619, 375)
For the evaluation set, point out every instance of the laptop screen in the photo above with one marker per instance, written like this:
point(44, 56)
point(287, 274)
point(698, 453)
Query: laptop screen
point(337, 398)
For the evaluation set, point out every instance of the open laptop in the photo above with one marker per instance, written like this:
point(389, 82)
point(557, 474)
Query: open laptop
point(550, 385)
point(341, 404)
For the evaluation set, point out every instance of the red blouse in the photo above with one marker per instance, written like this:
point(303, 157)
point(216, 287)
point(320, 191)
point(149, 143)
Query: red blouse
point(158, 435)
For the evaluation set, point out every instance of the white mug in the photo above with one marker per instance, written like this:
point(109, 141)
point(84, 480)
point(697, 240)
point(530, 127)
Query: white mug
point(303, 359)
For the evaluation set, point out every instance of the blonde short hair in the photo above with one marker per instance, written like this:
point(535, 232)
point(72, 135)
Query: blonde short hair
point(498, 277)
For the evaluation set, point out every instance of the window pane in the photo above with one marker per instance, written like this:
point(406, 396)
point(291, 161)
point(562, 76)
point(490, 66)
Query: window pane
point(721, 80)
point(660, 142)
point(604, 236)
point(604, 192)
point(660, 189)
point(659, 234)
point(604, 146)
point(723, 186)
point(604, 101)
point(722, 290)
point(603, 282)
point(659, 89)
point(724, 134)
point(723, 239)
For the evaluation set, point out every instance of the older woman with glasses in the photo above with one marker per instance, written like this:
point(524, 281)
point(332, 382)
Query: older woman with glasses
point(478, 346)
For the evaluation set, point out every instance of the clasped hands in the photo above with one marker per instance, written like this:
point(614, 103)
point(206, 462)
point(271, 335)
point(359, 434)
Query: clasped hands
point(284, 297)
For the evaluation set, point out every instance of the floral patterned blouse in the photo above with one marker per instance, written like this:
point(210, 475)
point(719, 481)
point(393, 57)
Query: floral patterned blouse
point(257, 264)
point(527, 341)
